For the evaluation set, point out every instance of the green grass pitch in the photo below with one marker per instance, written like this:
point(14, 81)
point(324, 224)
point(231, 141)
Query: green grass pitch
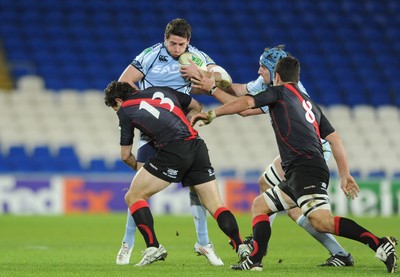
point(86, 245)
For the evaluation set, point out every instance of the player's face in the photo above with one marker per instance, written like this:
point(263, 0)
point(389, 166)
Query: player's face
point(264, 73)
point(176, 45)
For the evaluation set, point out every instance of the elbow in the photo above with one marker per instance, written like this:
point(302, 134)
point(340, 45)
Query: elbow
point(244, 114)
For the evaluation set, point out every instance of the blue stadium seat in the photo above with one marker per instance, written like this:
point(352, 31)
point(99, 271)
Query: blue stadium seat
point(396, 175)
point(227, 173)
point(377, 174)
point(356, 174)
point(67, 160)
point(252, 174)
point(120, 166)
point(98, 166)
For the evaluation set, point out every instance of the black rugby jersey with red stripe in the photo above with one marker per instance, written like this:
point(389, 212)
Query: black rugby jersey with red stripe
point(298, 123)
point(159, 113)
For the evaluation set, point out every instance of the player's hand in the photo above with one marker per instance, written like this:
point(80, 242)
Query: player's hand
point(201, 81)
point(189, 71)
point(349, 187)
point(206, 118)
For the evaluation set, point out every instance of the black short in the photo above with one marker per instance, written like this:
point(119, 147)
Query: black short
point(306, 180)
point(187, 162)
point(145, 152)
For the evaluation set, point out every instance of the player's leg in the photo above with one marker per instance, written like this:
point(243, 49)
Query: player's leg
point(272, 176)
point(271, 201)
point(339, 256)
point(203, 246)
point(384, 247)
point(128, 241)
point(144, 153)
point(211, 199)
point(144, 185)
point(310, 191)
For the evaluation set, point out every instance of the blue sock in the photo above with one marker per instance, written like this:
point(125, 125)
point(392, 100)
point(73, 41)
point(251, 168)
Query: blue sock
point(326, 239)
point(200, 219)
point(130, 230)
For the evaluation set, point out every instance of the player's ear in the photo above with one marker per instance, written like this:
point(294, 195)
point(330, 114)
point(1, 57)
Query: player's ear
point(277, 78)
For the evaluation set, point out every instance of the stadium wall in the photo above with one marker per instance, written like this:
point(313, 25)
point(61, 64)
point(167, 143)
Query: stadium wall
point(55, 195)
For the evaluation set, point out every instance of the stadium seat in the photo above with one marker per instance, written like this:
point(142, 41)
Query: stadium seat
point(97, 166)
point(120, 166)
point(70, 54)
point(377, 174)
point(227, 173)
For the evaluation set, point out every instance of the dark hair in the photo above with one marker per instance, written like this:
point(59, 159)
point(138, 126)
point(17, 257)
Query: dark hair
point(288, 69)
point(117, 90)
point(178, 27)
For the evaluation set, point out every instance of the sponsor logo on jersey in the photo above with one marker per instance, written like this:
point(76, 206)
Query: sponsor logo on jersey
point(162, 58)
point(147, 50)
point(172, 68)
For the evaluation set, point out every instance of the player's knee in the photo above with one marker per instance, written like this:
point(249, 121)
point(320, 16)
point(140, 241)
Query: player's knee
point(262, 184)
point(128, 198)
point(323, 223)
point(259, 206)
point(270, 178)
point(294, 213)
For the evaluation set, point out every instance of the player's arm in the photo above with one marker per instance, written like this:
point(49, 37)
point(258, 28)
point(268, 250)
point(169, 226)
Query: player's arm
point(204, 82)
point(238, 105)
point(131, 75)
point(236, 89)
point(347, 182)
point(126, 140)
point(224, 98)
point(220, 75)
point(190, 105)
point(193, 108)
point(127, 157)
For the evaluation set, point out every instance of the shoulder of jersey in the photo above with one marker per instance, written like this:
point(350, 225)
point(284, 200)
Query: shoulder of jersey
point(155, 47)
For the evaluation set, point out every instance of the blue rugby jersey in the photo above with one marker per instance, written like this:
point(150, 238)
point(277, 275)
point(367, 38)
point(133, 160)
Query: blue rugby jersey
point(161, 69)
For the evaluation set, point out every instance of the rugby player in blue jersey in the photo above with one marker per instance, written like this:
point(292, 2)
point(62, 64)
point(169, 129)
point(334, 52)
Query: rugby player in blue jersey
point(158, 65)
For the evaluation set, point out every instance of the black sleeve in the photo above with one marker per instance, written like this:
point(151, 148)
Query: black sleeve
point(183, 99)
point(266, 97)
point(126, 128)
point(325, 127)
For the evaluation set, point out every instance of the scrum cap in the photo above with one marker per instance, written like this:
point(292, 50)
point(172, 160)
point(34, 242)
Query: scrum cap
point(271, 56)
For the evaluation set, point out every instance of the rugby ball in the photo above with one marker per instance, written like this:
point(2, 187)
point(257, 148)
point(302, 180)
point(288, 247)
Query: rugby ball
point(188, 56)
